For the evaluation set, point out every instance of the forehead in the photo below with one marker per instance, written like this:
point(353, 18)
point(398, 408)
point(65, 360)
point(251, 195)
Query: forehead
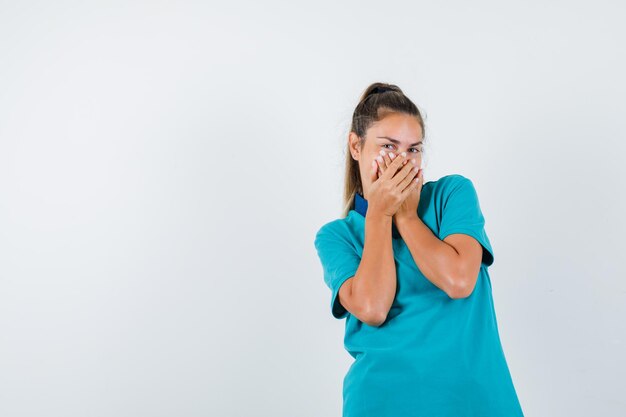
point(401, 127)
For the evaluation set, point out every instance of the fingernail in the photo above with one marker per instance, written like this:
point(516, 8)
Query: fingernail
point(404, 154)
point(415, 169)
point(391, 155)
point(382, 152)
point(414, 162)
point(379, 158)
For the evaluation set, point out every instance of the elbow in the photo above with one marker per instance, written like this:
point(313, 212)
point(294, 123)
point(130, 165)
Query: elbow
point(374, 317)
point(460, 287)
point(459, 282)
point(376, 321)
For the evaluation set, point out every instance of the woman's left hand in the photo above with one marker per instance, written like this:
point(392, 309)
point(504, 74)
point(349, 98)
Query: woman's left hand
point(408, 209)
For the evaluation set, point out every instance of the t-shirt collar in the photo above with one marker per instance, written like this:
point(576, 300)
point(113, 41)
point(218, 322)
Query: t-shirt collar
point(360, 206)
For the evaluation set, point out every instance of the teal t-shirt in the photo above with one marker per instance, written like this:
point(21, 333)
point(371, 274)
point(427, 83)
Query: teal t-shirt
point(434, 356)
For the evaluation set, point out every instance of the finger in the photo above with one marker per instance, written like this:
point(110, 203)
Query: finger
point(416, 183)
point(387, 158)
point(392, 156)
point(410, 177)
point(419, 179)
point(394, 166)
point(407, 172)
point(380, 162)
point(411, 187)
point(373, 171)
point(383, 161)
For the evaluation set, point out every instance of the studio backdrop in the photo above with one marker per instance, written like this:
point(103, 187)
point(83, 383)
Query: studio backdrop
point(164, 167)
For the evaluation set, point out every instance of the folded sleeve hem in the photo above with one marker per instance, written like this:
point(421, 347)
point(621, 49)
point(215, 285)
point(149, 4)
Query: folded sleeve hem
point(338, 310)
point(487, 258)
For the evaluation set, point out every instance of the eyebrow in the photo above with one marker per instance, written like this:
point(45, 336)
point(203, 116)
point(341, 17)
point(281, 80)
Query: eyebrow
point(397, 142)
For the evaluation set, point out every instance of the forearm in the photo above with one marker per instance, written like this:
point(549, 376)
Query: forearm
point(375, 281)
point(437, 260)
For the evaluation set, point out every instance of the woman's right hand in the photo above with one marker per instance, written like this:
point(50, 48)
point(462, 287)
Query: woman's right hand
point(387, 192)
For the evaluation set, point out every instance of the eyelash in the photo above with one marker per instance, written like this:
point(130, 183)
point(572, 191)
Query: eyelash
point(389, 144)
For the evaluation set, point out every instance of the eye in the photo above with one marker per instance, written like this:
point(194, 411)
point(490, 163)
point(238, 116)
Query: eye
point(387, 144)
point(417, 150)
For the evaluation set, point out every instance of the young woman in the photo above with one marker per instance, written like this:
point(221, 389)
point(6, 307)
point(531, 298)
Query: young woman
point(407, 267)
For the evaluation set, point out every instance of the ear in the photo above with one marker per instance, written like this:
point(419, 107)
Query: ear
point(353, 146)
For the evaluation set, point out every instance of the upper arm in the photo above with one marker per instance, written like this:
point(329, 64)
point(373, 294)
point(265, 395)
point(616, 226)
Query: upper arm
point(462, 225)
point(340, 262)
point(345, 297)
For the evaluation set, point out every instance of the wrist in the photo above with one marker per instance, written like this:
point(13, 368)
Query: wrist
point(377, 217)
point(405, 219)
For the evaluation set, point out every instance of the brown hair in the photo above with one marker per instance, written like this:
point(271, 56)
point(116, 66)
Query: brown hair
point(377, 101)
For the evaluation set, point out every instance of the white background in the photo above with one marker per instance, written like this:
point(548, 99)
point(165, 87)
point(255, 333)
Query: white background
point(164, 167)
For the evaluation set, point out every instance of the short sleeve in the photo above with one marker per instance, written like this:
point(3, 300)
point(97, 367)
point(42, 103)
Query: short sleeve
point(340, 261)
point(461, 213)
